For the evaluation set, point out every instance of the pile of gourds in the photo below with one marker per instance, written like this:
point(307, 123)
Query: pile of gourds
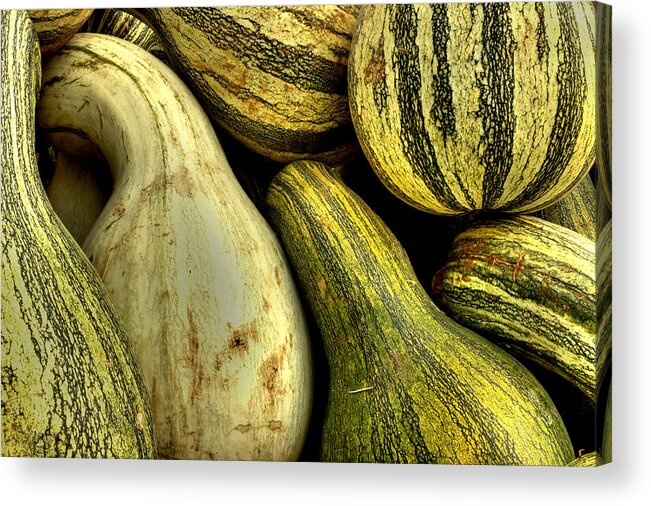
point(336, 233)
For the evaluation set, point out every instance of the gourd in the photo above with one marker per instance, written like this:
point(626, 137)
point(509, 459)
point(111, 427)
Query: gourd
point(604, 102)
point(55, 27)
point(466, 106)
point(78, 191)
point(592, 459)
point(70, 384)
point(119, 23)
point(407, 384)
point(197, 275)
point(604, 269)
point(272, 76)
point(529, 285)
point(576, 211)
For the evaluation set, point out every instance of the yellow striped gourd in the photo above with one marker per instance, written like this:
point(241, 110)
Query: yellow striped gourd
point(465, 106)
point(55, 27)
point(274, 77)
point(407, 384)
point(576, 211)
point(529, 285)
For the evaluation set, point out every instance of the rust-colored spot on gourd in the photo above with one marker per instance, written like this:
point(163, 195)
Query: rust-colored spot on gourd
point(275, 424)
point(194, 361)
point(265, 304)
point(270, 378)
point(321, 284)
point(395, 358)
point(375, 69)
point(518, 266)
point(243, 428)
point(277, 275)
point(182, 183)
point(241, 335)
point(217, 364)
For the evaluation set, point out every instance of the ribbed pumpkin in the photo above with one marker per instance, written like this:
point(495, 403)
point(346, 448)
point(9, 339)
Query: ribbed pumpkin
point(529, 285)
point(466, 106)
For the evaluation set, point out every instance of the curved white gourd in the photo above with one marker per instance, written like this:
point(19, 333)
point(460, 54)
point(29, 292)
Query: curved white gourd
point(197, 275)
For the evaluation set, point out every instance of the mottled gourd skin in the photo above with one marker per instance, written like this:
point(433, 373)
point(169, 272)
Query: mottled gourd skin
point(604, 271)
point(55, 27)
point(273, 77)
point(592, 459)
point(529, 285)
point(604, 99)
point(119, 23)
point(407, 383)
point(465, 106)
point(70, 385)
point(576, 211)
point(196, 273)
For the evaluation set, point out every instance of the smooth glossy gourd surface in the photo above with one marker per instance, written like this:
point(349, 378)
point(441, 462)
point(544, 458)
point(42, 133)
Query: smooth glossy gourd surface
point(197, 275)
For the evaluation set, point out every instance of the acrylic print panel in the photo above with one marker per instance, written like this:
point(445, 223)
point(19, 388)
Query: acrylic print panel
point(373, 233)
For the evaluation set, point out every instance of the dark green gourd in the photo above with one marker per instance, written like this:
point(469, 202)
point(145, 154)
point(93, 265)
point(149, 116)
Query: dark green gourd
point(407, 383)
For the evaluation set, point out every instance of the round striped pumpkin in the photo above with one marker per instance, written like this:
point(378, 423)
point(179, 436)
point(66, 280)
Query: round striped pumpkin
point(460, 107)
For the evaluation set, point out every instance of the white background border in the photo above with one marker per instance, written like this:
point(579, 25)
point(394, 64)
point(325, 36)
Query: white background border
point(626, 481)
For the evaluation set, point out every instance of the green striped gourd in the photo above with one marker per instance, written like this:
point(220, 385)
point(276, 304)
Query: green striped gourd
point(273, 77)
point(530, 286)
point(604, 271)
point(576, 211)
point(121, 24)
point(55, 27)
point(70, 384)
point(197, 275)
point(592, 459)
point(465, 106)
point(407, 384)
point(78, 191)
point(604, 100)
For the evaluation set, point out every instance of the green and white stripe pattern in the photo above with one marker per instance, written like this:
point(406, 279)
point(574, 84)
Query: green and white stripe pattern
point(274, 77)
point(121, 24)
point(70, 384)
point(466, 106)
point(529, 285)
